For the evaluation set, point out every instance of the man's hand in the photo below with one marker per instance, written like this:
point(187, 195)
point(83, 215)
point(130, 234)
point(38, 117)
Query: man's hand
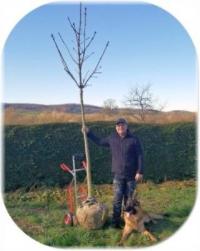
point(138, 177)
point(85, 129)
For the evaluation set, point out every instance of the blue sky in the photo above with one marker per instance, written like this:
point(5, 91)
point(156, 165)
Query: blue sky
point(147, 45)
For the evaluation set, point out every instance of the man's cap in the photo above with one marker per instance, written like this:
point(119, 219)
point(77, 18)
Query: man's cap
point(121, 121)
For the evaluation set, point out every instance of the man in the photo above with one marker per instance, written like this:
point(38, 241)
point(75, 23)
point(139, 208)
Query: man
point(127, 164)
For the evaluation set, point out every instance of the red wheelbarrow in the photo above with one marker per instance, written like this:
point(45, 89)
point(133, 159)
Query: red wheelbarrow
point(75, 193)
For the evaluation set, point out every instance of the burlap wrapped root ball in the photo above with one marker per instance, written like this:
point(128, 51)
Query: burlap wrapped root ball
point(92, 214)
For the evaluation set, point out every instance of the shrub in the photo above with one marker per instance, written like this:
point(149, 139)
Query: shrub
point(32, 154)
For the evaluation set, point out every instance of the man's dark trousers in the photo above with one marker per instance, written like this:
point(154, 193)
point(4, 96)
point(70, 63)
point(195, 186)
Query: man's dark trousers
point(123, 189)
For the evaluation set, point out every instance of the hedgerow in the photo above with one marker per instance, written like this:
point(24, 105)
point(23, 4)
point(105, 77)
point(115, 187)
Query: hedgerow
point(32, 154)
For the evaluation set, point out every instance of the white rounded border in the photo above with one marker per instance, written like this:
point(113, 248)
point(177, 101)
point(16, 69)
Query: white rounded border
point(187, 12)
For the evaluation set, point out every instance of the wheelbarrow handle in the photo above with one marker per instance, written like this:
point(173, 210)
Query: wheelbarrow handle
point(65, 168)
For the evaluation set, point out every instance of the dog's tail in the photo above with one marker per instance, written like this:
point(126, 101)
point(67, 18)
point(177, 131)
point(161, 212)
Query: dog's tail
point(158, 216)
point(166, 214)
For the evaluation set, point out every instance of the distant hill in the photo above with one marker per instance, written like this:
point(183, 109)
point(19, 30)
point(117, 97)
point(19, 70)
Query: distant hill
point(75, 108)
point(67, 108)
point(64, 113)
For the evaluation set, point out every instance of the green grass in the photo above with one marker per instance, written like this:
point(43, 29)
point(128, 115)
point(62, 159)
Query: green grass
point(40, 214)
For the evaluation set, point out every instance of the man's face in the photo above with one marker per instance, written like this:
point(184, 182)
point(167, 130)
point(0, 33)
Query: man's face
point(121, 129)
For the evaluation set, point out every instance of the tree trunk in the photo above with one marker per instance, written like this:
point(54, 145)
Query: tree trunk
point(87, 153)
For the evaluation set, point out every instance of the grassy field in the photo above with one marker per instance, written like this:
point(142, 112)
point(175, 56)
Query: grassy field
point(15, 117)
point(39, 213)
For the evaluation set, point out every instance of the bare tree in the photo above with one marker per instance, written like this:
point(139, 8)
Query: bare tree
point(142, 101)
point(110, 106)
point(81, 76)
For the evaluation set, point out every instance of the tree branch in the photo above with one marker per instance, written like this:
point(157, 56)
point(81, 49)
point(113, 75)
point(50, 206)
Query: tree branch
point(66, 68)
point(97, 65)
point(73, 59)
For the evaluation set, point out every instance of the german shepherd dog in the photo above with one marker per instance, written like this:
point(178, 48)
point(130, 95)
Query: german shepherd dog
point(135, 218)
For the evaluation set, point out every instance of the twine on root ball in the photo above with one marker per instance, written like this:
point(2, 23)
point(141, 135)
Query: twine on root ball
point(92, 214)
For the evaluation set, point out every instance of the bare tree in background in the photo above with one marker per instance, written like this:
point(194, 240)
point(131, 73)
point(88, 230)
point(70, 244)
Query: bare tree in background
point(141, 100)
point(81, 76)
point(110, 106)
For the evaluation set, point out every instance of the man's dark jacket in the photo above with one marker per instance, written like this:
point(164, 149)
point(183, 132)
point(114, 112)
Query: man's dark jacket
point(127, 155)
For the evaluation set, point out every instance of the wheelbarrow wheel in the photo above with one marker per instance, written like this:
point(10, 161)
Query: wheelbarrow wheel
point(68, 219)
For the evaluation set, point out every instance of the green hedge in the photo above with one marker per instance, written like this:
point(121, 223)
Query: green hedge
point(32, 154)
